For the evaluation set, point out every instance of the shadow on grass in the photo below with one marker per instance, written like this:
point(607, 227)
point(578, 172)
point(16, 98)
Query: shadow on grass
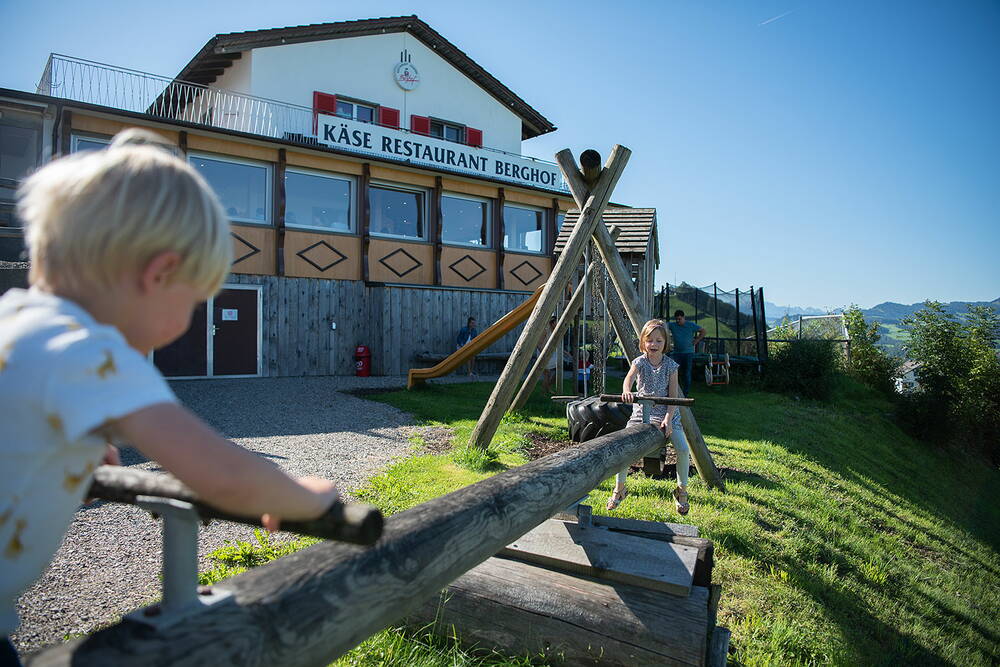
point(951, 488)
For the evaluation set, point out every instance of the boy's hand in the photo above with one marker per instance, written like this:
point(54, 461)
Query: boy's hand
point(110, 458)
point(323, 490)
point(666, 428)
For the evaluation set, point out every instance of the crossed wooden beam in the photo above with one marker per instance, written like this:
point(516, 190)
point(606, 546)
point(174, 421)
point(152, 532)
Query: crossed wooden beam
point(591, 187)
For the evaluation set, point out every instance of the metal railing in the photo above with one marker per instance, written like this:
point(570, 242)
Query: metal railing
point(96, 83)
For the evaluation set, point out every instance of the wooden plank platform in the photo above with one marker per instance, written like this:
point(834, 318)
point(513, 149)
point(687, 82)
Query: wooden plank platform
point(662, 566)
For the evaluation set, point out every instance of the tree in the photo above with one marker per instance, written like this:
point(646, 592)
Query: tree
point(960, 371)
point(867, 362)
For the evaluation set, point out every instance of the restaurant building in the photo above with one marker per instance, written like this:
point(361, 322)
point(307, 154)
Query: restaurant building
point(372, 173)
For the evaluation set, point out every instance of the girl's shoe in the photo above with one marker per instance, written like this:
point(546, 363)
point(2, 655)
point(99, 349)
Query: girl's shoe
point(616, 498)
point(681, 500)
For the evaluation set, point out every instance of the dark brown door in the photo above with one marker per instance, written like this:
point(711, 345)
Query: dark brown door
point(188, 355)
point(234, 345)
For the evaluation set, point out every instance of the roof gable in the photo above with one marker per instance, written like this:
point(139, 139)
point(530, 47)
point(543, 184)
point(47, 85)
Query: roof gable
point(219, 53)
point(638, 228)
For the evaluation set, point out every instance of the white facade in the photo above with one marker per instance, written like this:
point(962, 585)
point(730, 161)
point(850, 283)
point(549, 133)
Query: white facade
point(361, 68)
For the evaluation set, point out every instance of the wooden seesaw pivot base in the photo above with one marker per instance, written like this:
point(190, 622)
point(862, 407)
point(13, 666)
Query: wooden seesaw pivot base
point(601, 590)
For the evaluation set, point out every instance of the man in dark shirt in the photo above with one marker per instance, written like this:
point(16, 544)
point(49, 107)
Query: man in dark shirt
point(686, 336)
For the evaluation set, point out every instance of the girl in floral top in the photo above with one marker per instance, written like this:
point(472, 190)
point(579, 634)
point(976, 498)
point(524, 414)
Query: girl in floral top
point(655, 374)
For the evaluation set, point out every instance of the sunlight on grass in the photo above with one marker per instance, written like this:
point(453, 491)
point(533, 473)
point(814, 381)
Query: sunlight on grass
point(840, 540)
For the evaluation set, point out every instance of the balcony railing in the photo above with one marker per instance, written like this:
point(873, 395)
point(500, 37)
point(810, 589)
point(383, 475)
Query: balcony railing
point(95, 83)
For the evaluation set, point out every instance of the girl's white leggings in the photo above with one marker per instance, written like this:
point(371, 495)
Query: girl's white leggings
point(680, 443)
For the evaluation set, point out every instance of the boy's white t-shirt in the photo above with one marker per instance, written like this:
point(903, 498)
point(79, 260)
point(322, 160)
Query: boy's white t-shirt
point(62, 376)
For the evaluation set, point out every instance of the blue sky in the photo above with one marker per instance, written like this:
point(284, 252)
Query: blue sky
point(832, 152)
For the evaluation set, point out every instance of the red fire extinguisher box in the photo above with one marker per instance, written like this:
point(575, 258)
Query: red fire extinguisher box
point(362, 361)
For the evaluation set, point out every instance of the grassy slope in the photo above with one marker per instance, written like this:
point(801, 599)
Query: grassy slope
point(840, 539)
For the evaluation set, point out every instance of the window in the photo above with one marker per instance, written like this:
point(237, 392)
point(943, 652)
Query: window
point(359, 112)
point(20, 148)
point(396, 211)
point(89, 143)
point(560, 219)
point(319, 201)
point(448, 131)
point(242, 186)
point(465, 220)
point(523, 228)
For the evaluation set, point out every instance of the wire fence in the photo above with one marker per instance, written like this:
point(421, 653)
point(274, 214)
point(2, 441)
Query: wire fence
point(734, 320)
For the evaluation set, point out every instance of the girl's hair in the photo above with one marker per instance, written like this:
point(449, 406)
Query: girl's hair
point(647, 331)
point(92, 216)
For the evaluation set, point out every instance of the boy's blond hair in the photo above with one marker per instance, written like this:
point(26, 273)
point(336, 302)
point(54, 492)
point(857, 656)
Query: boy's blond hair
point(647, 331)
point(91, 217)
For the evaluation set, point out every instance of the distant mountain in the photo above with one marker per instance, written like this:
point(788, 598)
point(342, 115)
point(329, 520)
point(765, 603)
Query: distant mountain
point(776, 313)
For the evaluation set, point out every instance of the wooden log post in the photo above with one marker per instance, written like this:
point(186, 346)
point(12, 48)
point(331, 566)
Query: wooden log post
point(554, 342)
point(590, 217)
point(606, 246)
point(310, 607)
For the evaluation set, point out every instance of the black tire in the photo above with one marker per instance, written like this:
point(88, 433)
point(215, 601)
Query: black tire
point(591, 417)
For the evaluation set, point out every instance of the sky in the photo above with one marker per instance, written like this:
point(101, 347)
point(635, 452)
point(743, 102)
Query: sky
point(831, 152)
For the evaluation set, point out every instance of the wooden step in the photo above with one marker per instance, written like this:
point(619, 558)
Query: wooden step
point(614, 556)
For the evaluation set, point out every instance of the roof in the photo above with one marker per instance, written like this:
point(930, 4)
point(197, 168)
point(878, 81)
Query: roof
point(220, 52)
point(638, 226)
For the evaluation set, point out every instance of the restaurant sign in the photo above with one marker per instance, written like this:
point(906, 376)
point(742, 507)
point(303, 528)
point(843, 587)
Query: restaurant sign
point(392, 144)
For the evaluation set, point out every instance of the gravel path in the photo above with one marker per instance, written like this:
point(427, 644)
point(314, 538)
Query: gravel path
point(109, 562)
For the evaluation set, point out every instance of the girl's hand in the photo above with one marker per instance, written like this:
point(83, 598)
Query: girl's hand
point(324, 494)
point(627, 396)
point(666, 428)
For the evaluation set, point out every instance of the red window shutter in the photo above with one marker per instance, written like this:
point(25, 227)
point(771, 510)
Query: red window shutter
point(322, 103)
point(474, 137)
point(420, 125)
point(388, 117)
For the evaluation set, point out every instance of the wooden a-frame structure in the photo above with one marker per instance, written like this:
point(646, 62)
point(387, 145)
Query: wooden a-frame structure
point(591, 187)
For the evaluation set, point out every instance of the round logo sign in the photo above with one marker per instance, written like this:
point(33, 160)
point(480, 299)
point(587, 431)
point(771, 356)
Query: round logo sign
point(406, 76)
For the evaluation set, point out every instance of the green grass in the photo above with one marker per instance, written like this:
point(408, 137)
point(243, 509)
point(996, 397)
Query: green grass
point(840, 539)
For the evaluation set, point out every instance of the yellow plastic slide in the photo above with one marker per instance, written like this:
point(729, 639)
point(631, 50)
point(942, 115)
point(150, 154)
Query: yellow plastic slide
point(477, 344)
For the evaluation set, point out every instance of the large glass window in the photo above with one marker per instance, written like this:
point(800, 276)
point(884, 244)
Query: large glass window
point(465, 220)
point(242, 187)
point(20, 148)
point(318, 201)
point(396, 211)
point(523, 228)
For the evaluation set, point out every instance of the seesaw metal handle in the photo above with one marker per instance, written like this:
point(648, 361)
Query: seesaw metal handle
point(657, 400)
point(354, 523)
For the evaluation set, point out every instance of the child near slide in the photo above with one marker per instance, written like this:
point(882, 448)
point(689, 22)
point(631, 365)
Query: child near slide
point(124, 243)
point(655, 374)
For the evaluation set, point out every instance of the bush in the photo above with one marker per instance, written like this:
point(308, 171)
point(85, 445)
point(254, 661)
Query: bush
point(806, 368)
point(959, 375)
point(867, 362)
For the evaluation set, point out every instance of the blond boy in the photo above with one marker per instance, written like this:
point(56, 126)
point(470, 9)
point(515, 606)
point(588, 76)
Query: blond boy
point(124, 243)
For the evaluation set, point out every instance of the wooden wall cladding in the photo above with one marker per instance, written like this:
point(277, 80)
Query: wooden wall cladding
point(253, 249)
point(467, 267)
point(397, 323)
point(380, 173)
point(108, 127)
point(317, 255)
point(201, 143)
point(525, 272)
point(515, 197)
point(411, 321)
point(469, 188)
point(392, 261)
point(324, 163)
